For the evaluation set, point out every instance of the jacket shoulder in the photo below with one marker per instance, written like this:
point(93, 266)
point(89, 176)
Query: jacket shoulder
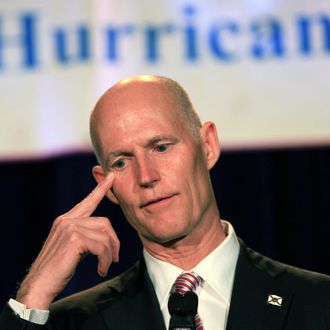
point(275, 268)
point(310, 286)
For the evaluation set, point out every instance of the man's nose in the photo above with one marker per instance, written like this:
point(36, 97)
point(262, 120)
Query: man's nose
point(147, 172)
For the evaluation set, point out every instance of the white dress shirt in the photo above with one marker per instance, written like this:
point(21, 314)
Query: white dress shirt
point(217, 271)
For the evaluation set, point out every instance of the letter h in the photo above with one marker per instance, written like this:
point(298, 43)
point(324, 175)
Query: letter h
point(25, 40)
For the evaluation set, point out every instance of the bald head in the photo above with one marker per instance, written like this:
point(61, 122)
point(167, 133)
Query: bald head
point(135, 93)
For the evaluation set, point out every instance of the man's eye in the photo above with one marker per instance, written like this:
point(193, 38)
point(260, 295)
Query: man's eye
point(120, 163)
point(161, 147)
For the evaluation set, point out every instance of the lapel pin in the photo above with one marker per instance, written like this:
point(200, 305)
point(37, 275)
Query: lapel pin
point(275, 300)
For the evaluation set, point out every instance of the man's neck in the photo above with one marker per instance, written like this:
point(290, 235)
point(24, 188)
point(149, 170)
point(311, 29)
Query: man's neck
point(188, 251)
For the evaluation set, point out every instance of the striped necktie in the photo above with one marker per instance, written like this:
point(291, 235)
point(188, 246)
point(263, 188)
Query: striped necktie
point(189, 282)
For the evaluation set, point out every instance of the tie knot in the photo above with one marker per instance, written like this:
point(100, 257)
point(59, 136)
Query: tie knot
point(187, 282)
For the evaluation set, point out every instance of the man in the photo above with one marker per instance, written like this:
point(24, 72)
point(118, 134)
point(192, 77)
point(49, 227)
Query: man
point(155, 157)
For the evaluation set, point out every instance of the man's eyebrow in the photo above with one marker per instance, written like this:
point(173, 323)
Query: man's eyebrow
point(117, 153)
point(150, 143)
point(161, 138)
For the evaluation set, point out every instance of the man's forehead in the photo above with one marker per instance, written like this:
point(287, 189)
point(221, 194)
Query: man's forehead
point(137, 110)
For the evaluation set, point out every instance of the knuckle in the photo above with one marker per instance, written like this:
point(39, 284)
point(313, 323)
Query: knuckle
point(61, 222)
point(57, 221)
point(71, 228)
point(74, 237)
point(117, 241)
point(104, 220)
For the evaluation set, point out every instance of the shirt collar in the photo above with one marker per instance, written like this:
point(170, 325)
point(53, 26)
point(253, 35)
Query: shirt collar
point(217, 269)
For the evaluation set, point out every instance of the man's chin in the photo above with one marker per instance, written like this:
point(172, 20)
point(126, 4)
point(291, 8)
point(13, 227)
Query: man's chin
point(166, 241)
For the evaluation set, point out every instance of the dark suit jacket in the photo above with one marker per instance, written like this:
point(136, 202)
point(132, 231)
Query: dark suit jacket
point(129, 301)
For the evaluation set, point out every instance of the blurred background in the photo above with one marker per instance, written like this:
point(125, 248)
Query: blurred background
point(258, 68)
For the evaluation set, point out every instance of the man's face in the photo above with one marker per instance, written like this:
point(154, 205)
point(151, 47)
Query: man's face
point(161, 182)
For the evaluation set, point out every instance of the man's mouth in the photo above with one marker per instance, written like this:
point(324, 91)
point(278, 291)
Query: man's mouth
point(156, 201)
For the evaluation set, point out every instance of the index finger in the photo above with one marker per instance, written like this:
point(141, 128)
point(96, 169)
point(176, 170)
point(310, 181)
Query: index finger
point(88, 205)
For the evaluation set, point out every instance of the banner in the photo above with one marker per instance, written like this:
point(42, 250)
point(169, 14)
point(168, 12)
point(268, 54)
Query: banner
point(259, 69)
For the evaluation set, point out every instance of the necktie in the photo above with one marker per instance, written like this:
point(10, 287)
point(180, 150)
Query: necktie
point(189, 282)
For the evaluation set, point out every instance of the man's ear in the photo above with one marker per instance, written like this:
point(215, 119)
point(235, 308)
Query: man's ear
point(210, 142)
point(99, 176)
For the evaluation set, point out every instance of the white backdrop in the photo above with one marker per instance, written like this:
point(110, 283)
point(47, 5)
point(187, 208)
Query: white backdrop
point(259, 69)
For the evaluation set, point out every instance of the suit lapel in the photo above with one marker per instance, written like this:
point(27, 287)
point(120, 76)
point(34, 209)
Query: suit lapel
point(255, 279)
point(134, 307)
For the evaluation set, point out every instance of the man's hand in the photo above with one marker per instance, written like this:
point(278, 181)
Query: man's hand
point(73, 235)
